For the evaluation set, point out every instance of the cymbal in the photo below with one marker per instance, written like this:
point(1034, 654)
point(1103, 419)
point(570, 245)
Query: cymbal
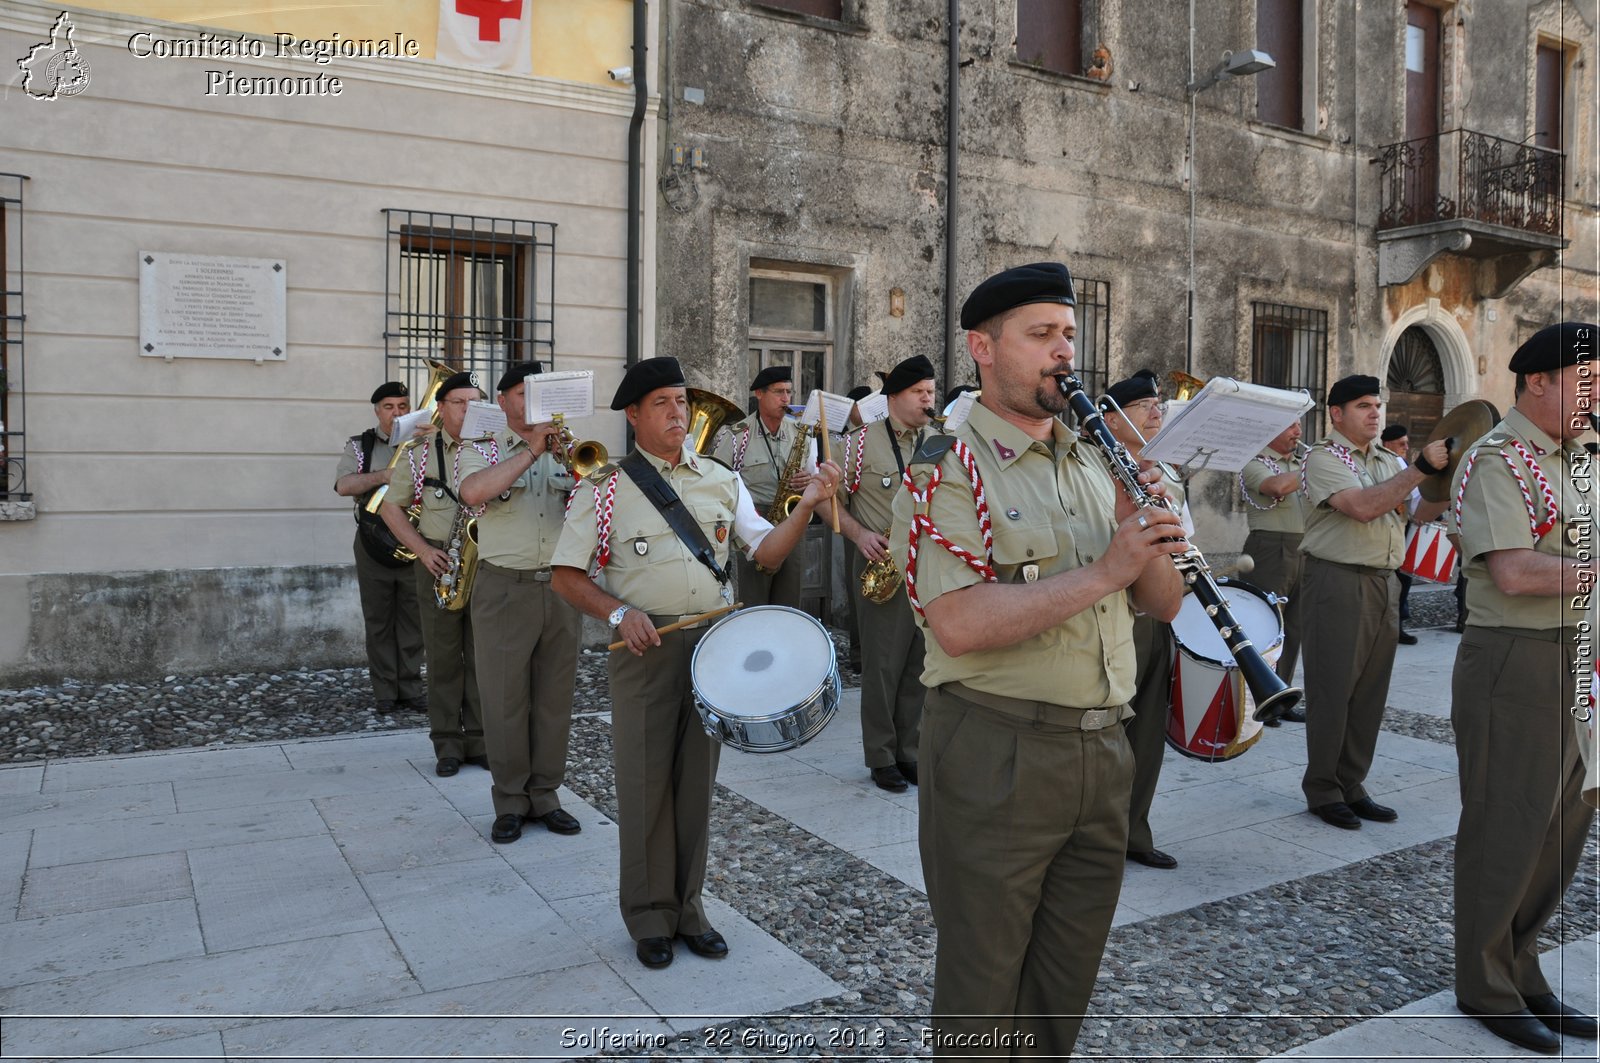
point(1466, 424)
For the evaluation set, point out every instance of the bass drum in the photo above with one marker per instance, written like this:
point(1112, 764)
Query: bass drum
point(1212, 712)
point(1429, 554)
point(766, 679)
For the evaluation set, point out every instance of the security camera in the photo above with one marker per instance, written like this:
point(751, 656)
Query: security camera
point(623, 74)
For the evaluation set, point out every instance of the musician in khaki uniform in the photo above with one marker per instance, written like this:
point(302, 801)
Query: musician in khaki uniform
point(388, 589)
point(758, 448)
point(1275, 509)
point(1140, 419)
point(526, 636)
point(1528, 548)
point(875, 457)
point(1023, 802)
point(1353, 543)
point(665, 764)
point(428, 479)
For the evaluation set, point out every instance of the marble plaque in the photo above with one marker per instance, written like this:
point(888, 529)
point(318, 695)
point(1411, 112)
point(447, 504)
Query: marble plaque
point(211, 306)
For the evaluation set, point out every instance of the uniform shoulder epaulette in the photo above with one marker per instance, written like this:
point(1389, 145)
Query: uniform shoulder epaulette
point(717, 461)
point(1495, 441)
point(933, 450)
point(600, 475)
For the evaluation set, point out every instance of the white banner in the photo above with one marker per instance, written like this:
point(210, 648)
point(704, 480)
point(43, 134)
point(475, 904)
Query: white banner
point(487, 34)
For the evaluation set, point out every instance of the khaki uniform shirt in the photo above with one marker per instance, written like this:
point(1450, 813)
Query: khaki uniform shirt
point(519, 530)
point(1263, 512)
point(1494, 516)
point(764, 455)
point(435, 458)
point(350, 460)
point(1332, 536)
point(650, 568)
point(1052, 513)
point(873, 479)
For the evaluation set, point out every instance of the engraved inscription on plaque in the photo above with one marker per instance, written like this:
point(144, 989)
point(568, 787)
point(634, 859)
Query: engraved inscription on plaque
point(212, 306)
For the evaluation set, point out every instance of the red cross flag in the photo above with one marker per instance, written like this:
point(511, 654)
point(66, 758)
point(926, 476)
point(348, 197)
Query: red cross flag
point(487, 34)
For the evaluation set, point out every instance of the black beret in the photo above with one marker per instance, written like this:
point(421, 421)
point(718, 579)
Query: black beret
point(913, 370)
point(516, 374)
point(857, 393)
point(1041, 282)
point(464, 379)
point(1351, 388)
point(1151, 374)
point(1132, 389)
point(1555, 346)
point(644, 377)
point(772, 374)
point(955, 393)
point(392, 390)
point(1393, 432)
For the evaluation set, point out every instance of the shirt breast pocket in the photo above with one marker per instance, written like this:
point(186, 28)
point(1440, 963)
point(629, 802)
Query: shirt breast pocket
point(1017, 546)
point(715, 520)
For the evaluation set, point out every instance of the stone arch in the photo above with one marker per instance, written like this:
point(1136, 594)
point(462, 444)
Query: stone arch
point(1455, 355)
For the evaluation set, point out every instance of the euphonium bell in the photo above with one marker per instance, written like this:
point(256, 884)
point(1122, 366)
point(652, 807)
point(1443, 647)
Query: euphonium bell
point(708, 412)
point(438, 373)
point(1184, 385)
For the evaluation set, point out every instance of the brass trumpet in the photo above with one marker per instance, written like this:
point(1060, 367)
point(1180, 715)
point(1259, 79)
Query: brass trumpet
point(880, 580)
point(582, 459)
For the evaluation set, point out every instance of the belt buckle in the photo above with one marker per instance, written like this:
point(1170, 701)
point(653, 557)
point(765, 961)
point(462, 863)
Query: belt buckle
point(1094, 719)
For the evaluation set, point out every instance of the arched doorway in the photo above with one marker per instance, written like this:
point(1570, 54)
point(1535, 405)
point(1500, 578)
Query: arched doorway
point(1416, 384)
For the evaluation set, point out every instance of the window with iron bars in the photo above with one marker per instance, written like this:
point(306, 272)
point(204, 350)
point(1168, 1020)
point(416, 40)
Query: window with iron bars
point(13, 408)
point(1289, 349)
point(473, 292)
point(1092, 362)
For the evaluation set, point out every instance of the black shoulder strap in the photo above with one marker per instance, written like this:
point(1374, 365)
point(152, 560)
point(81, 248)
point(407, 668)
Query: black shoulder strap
point(369, 439)
point(933, 450)
point(439, 481)
point(671, 508)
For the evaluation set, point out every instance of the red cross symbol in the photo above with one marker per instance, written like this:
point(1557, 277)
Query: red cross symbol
point(490, 13)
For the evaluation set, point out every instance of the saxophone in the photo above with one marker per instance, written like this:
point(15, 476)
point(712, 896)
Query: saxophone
point(783, 499)
point(880, 580)
point(453, 587)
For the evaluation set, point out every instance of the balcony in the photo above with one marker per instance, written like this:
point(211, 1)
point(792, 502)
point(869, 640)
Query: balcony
point(1495, 201)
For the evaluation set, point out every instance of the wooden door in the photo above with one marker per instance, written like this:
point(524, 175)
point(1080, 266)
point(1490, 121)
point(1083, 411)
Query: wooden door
point(1423, 107)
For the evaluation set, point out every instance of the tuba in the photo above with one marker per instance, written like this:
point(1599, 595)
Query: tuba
point(708, 412)
point(1184, 385)
point(438, 373)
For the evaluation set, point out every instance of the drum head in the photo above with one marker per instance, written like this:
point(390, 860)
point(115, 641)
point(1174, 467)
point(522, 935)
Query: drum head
point(762, 661)
point(1198, 636)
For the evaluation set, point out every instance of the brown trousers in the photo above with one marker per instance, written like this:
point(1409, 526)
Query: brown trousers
point(1147, 731)
point(393, 627)
point(1024, 833)
point(772, 588)
point(891, 674)
point(665, 769)
point(455, 715)
point(1523, 823)
point(1350, 646)
point(1279, 568)
point(527, 654)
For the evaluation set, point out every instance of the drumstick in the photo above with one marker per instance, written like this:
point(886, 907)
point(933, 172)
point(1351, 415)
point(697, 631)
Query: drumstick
point(827, 455)
point(685, 623)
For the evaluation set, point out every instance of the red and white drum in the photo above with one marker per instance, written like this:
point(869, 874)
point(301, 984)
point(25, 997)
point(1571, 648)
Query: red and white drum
point(1429, 554)
point(1212, 712)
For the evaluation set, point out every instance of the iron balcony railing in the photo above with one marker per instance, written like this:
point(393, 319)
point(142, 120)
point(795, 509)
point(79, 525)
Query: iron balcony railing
point(1462, 175)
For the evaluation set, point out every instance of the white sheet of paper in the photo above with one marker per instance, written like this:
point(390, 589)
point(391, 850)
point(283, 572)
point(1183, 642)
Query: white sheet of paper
point(405, 427)
point(838, 408)
point(873, 408)
point(960, 410)
point(1225, 425)
point(570, 394)
point(483, 419)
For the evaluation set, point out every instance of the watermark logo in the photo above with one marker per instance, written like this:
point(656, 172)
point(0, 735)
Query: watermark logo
point(55, 68)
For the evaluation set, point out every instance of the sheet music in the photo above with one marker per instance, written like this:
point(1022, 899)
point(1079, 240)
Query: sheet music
point(960, 410)
point(406, 427)
point(570, 394)
point(483, 419)
point(873, 408)
point(1225, 425)
point(838, 408)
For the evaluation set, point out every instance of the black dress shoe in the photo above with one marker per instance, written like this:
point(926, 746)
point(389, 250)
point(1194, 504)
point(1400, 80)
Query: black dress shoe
point(1154, 858)
point(447, 767)
point(889, 779)
point(560, 821)
point(1407, 639)
point(414, 704)
point(654, 952)
point(384, 706)
point(1519, 1027)
point(908, 768)
point(480, 761)
point(1294, 715)
point(507, 828)
point(1367, 808)
point(1337, 814)
point(1571, 1022)
point(710, 944)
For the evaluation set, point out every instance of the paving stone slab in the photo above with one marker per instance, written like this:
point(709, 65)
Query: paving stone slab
point(92, 772)
point(396, 829)
point(104, 884)
point(1214, 808)
point(96, 840)
point(263, 893)
point(107, 803)
point(22, 779)
point(195, 795)
point(571, 866)
point(60, 946)
point(1220, 866)
point(1427, 813)
point(390, 747)
point(901, 859)
point(138, 1004)
point(14, 849)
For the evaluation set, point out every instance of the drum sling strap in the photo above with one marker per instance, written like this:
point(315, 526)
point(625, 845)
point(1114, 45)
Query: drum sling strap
point(670, 506)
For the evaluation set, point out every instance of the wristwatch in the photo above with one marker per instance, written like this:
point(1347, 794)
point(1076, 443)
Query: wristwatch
point(616, 614)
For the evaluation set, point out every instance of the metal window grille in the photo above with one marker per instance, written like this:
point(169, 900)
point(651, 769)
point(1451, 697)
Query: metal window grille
point(13, 382)
point(470, 291)
point(1093, 362)
point(1289, 346)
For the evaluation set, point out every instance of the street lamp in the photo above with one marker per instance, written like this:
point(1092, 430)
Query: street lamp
point(1233, 65)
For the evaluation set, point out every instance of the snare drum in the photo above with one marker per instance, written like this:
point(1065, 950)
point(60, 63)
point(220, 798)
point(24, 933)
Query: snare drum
point(1429, 554)
point(766, 679)
point(1212, 712)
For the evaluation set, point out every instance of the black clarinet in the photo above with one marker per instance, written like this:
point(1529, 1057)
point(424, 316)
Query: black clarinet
point(1272, 695)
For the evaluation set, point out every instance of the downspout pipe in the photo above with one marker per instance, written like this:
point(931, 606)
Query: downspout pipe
point(641, 101)
point(952, 197)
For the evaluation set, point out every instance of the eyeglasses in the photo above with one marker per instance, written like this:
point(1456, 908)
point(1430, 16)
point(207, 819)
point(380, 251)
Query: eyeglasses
point(1145, 405)
point(455, 402)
